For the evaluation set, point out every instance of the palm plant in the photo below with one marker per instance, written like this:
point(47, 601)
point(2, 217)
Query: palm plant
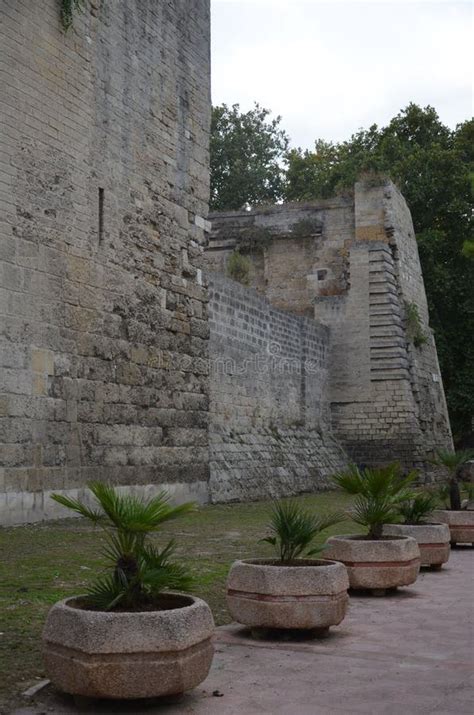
point(139, 570)
point(452, 461)
point(416, 510)
point(294, 529)
point(379, 494)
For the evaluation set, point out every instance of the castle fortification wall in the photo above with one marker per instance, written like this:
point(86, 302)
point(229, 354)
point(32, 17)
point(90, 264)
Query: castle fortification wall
point(386, 387)
point(270, 431)
point(103, 189)
point(353, 264)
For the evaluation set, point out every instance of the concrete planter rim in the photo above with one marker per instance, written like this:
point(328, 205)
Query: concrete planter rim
point(421, 523)
point(68, 604)
point(276, 564)
point(363, 539)
point(456, 511)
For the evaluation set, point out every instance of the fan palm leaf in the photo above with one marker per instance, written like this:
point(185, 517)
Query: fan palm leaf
point(416, 510)
point(140, 571)
point(453, 460)
point(293, 529)
point(379, 494)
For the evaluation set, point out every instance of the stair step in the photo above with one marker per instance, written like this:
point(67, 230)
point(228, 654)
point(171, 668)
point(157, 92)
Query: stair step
point(382, 288)
point(383, 331)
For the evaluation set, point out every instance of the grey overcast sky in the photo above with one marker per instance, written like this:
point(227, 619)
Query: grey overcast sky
point(330, 67)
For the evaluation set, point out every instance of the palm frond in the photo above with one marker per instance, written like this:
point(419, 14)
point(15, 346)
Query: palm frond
point(79, 507)
point(370, 511)
point(324, 522)
point(416, 510)
point(379, 493)
point(120, 544)
point(132, 513)
point(453, 460)
point(169, 577)
point(139, 571)
point(159, 573)
point(294, 528)
point(351, 480)
point(106, 593)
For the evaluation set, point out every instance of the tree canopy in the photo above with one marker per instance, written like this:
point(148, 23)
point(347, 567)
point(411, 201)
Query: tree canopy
point(434, 168)
point(247, 152)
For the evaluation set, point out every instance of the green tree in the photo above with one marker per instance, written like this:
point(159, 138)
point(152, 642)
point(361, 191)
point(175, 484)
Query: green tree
point(464, 144)
point(247, 152)
point(434, 168)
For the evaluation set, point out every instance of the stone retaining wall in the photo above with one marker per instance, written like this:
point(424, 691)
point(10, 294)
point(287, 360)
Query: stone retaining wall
point(269, 411)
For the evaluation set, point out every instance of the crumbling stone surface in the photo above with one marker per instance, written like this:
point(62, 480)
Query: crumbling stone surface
point(103, 194)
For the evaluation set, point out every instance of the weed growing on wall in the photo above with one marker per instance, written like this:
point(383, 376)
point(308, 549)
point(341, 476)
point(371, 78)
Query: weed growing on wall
point(67, 9)
point(238, 268)
point(254, 240)
point(414, 329)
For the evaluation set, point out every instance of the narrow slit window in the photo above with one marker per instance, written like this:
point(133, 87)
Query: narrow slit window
point(101, 214)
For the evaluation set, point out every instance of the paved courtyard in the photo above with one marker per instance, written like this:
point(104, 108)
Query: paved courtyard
point(406, 654)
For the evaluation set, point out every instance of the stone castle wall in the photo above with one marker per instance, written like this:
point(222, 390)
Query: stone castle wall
point(387, 393)
point(270, 429)
point(297, 250)
point(111, 366)
point(353, 264)
point(104, 183)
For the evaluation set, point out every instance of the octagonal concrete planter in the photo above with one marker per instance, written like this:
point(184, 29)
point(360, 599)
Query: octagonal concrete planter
point(265, 594)
point(461, 524)
point(376, 565)
point(432, 539)
point(117, 655)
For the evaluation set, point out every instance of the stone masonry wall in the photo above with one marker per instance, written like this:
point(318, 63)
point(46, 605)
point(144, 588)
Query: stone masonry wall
point(387, 394)
point(353, 264)
point(270, 429)
point(103, 186)
point(296, 250)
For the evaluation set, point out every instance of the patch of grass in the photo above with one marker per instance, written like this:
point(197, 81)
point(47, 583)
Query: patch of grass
point(45, 562)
